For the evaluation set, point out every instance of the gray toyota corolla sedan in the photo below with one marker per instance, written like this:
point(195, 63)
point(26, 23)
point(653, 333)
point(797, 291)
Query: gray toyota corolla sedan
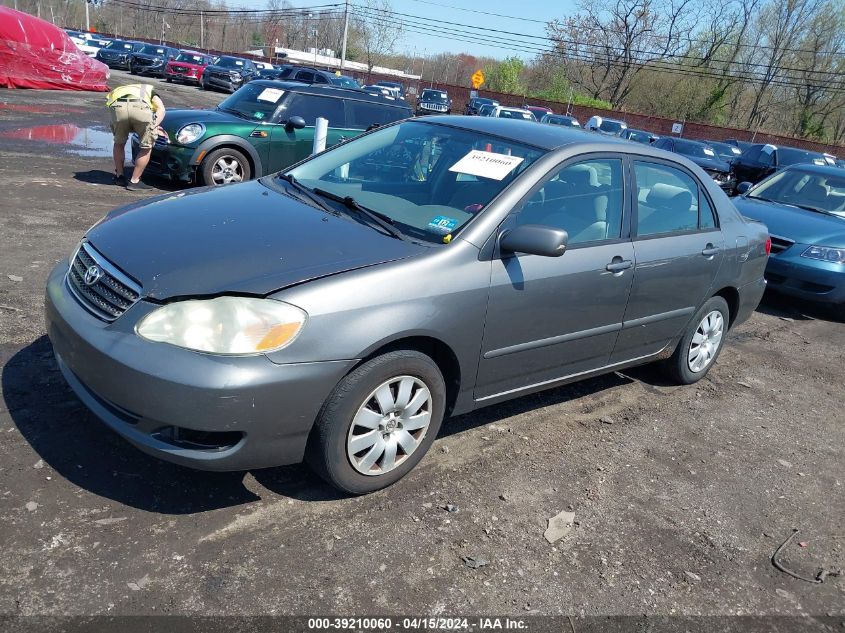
point(337, 312)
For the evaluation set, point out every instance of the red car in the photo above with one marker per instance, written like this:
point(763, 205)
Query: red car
point(187, 67)
point(538, 111)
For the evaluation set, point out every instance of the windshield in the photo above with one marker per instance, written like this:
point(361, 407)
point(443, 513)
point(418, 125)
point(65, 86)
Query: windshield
point(434, 95)
point(790, 156)
point(516, 114)
point(153, 50)
point(696, 150)
point(428, 179)
point(230, 62)
point(345, 82)
point(611, 126)
point(253, 101)
point(190, 58)
point(725, 151)
point(639, 137)
point(119, 45)
point(799, 187)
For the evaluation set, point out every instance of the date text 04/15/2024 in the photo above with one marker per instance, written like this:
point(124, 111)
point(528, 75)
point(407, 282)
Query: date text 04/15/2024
point(419, 623)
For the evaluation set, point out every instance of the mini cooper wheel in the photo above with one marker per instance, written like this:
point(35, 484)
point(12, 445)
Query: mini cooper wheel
point(225, 166)
point(379, 422)
point(700, 346)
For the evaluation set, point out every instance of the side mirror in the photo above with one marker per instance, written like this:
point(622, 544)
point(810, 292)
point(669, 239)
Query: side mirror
point(534, 239)
point(742, 187)
point(294, 123)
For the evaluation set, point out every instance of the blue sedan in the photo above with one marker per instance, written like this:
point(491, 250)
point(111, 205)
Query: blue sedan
point(804, 208)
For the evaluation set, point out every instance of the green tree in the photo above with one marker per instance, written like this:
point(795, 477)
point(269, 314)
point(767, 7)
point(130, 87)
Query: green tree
point(506, 76)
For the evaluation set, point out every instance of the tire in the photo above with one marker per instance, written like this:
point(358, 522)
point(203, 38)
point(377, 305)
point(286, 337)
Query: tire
point(687, 367)
point(168, 80)
point(225, 166)
point(331, 447)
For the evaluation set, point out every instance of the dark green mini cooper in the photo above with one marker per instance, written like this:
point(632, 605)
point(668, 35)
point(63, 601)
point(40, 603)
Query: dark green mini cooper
point(263, 127)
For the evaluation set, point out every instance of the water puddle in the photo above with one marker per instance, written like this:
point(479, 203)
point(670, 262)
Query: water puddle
point(82, 141)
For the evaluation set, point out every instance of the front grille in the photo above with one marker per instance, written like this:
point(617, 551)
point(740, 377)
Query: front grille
point(437, 107)
point(98, 286)
point(220, 76)
point(144, 62)
point(178, 69)
point(780, 244)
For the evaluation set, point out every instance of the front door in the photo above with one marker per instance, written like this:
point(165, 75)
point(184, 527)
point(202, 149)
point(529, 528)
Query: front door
point(290, 145)
point(678, 249)
point(551, 317)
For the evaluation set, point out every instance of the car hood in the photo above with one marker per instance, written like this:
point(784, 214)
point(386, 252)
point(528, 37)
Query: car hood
point(800, 225)
point(148, 56)
point(709, 163)
point(175, 119)
point(225, 69)
point(115, 52)
point(245, 238)
point(186, 64)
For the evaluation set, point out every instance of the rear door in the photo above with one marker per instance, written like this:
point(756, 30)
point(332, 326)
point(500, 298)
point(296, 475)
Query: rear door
point(678, 249)
point(552, 317)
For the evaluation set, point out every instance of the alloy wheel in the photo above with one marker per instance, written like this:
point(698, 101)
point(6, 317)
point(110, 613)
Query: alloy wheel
point(706, 341)
point(389, 425)
point(227, 169)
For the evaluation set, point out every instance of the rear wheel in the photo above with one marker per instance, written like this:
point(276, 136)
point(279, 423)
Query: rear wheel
point(379, 422)
point(700, 346)
point(225, 166)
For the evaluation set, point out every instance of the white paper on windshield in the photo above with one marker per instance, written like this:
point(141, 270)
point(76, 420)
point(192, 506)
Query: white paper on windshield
point(239, 63)
point(709, 151)
point(270, 94)
point(486, 164)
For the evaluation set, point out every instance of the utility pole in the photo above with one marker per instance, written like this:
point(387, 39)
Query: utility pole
point(87, 18)
point(202, 30)
point(345, 35)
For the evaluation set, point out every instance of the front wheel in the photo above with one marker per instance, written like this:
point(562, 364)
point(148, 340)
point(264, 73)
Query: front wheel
point(701, 344)
point(379, 422)
point(225, 166)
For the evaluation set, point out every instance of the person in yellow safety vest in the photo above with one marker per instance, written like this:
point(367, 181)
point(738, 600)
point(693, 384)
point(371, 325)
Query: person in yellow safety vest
point(134, 108)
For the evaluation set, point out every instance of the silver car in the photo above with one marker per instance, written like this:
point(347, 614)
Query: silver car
point(341, 310)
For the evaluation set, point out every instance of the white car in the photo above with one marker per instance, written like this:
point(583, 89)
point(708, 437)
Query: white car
point(88, 45)
point(504, 112)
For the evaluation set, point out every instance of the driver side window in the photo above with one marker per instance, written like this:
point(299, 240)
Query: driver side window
point(585, 199)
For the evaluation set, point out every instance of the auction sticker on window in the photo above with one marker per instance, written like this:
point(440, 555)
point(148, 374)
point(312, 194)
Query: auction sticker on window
point(442, 224)
point(486, 164)
point(270, 94)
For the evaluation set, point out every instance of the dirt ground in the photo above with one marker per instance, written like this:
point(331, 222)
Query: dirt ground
point(681, 494)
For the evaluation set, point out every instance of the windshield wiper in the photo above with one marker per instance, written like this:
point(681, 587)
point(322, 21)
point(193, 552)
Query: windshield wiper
point(384, 222)
point(307, 194)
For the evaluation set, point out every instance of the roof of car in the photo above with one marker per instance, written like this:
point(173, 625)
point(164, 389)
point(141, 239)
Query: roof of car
point(331, 90)
point(827, 170)
point(546, 137)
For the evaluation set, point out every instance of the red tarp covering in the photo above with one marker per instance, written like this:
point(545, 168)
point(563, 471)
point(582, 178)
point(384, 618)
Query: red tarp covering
point(37, 54)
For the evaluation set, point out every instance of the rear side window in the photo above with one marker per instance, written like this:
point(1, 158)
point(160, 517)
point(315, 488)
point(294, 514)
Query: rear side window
point(752, 154)
point(305, 75)
point(363, 114)
point(319, 79)
point(309, 107)
point(285, 72)
point(668, 201)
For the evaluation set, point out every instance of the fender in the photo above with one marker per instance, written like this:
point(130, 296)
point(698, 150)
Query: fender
point(212, 143)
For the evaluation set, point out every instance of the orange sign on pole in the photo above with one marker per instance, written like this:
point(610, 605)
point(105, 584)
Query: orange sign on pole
point(477, 79)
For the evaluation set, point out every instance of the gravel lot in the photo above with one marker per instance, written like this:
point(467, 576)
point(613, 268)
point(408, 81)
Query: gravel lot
point(680, 495)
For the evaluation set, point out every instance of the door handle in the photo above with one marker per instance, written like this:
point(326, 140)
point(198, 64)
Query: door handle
point(710, 250)
point(617, 266)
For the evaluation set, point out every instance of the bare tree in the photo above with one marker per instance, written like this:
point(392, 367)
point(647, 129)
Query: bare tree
point(609, 42)
point(376, 31)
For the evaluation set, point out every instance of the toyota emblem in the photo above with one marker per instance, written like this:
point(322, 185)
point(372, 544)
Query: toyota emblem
point(92, 275)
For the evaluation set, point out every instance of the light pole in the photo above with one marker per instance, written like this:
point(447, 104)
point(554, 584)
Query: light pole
point(345, 35)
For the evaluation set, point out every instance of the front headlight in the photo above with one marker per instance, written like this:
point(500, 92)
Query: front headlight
point(235, 76)
point(190, 133)
point(225, 325)
point(825, 254)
